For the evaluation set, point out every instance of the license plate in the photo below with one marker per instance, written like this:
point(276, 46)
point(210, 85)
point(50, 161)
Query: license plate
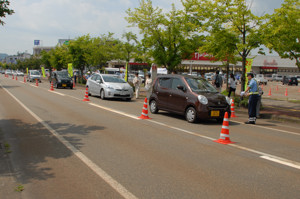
point(215, 113)
point(64, 85)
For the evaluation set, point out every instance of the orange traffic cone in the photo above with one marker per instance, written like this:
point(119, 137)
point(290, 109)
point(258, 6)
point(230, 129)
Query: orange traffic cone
point(86, 97)
point(262, 86)
point(36, 82)
point(13, 77)
point(16, 78)
point(286, 92)
point(270, 93)
point(51, 88)
point(232, 109)
point(224, 136)
point(144, 114)
point(24, 79)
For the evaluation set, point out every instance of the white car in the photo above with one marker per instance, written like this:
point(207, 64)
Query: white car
point(109, 86)
point(261, 79)
point(19, 73)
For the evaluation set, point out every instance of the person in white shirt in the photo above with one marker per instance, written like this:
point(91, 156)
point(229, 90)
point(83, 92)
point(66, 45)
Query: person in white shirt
point(232, 82)
point(148, 85)
point(137, 81)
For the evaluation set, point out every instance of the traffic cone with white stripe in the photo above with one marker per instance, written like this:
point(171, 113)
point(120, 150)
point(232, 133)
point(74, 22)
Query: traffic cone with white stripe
point(16, 78)
point(24, 79)
point(13, 77)
point(36, 82)
point(224, 136)
point(232, 109)
point(51, 88)
point(144, 114)
point(270, 92)
point(286, 92)
point(86, 97)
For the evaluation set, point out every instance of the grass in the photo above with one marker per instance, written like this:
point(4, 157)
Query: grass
point(19, 188)
point(7, 148)
point(295, 101)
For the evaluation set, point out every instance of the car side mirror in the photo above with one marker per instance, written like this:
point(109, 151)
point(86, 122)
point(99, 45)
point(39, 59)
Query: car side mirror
point(181, 88)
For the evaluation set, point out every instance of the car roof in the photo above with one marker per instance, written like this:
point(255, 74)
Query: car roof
point(178, 76)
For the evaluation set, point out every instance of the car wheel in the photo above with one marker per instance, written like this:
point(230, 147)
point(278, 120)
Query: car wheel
point(56, 85)
point(153, 107)
point(71, 87)
point(191, 115)
point(102, 94)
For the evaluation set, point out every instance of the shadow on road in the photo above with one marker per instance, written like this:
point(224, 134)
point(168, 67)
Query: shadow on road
point(34, 148)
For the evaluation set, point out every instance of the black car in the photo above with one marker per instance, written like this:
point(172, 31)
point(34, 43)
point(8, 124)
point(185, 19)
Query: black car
point(61, 79)
point(290, 81)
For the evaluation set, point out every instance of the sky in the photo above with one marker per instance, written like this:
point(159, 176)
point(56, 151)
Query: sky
point(50, 20)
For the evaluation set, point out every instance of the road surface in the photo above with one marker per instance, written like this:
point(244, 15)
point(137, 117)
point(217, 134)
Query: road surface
point(62, 147)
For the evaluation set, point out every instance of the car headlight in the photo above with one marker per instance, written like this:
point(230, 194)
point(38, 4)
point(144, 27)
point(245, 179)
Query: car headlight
point(202, 99)
point(228, 100)
point(110, 87)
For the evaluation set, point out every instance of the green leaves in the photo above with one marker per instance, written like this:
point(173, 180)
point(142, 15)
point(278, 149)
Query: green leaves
point(282, 30)
point(4, 10)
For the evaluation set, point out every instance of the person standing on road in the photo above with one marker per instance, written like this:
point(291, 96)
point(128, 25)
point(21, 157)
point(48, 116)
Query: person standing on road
point(148, 85)
point(137, 81)
point(218, 81)
point(253, 99)
point(232, 82)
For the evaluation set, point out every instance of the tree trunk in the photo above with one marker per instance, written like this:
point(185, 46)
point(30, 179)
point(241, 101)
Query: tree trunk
point(243, 73)
point(227, 68)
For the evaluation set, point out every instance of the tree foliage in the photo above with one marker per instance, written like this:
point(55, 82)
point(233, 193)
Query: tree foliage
point(232, 17)
point(164, 34)
point(4, 10)
point(282, 30)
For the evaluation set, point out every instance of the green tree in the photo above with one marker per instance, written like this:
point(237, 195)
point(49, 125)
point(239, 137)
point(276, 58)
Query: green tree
point(282, 30)
point(232, 16)
point(165, 35)
point(4, 10)
point(45, 59)
point(59, 57)
point(130, 45)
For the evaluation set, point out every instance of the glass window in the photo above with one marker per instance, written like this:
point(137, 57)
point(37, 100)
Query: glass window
point(177, 82)
point(200, 85)
point(94, 77)
point(165, 82)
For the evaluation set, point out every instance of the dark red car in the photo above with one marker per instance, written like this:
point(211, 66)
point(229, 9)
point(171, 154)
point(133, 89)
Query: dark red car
point(191, 96)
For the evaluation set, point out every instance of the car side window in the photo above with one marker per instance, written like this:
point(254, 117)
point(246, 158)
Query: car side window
point(165, 82)
point(98, 78)
point(94, 77)
point(177, 82)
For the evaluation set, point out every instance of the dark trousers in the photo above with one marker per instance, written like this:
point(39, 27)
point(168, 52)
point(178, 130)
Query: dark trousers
point(253, 99)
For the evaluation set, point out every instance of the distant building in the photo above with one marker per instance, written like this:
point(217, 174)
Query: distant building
point(64, 41)
point(38, 49)
point(12, 59)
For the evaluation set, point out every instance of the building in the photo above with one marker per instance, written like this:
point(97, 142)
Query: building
point(263, 64)
point(38, 49)
point(12, 59)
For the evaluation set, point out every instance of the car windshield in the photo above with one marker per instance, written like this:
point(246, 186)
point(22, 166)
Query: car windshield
point(200, 85)
point(35, 73)
point(63, 74)
point(113, 79)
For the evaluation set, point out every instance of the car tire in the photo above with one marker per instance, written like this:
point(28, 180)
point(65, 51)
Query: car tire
point(71, 87)
point(102, 94)
point(56, 85)
point(191, 115)
point(153, 107)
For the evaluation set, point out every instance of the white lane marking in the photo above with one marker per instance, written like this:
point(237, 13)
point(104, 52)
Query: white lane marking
point(100, 172)
point(283, 131)
point(57, 93)
point(284, 162)
point(115, 111)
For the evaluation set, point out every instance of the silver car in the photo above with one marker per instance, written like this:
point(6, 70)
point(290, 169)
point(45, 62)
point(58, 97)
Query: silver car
point(33, 75)
point(109, 86)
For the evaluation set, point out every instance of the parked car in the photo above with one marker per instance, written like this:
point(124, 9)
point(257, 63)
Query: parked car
point(186, 95)
point(19, 73)
point(208, 76)
point(279, 78)
point(268, 77)
point(34, 75)
point(8, 72)
point(109, 86)
point(61, 79)
point(298, 78)
point(261, 79)
point(289, 80)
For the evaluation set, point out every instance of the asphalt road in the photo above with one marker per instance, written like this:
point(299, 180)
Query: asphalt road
point(63, 147)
